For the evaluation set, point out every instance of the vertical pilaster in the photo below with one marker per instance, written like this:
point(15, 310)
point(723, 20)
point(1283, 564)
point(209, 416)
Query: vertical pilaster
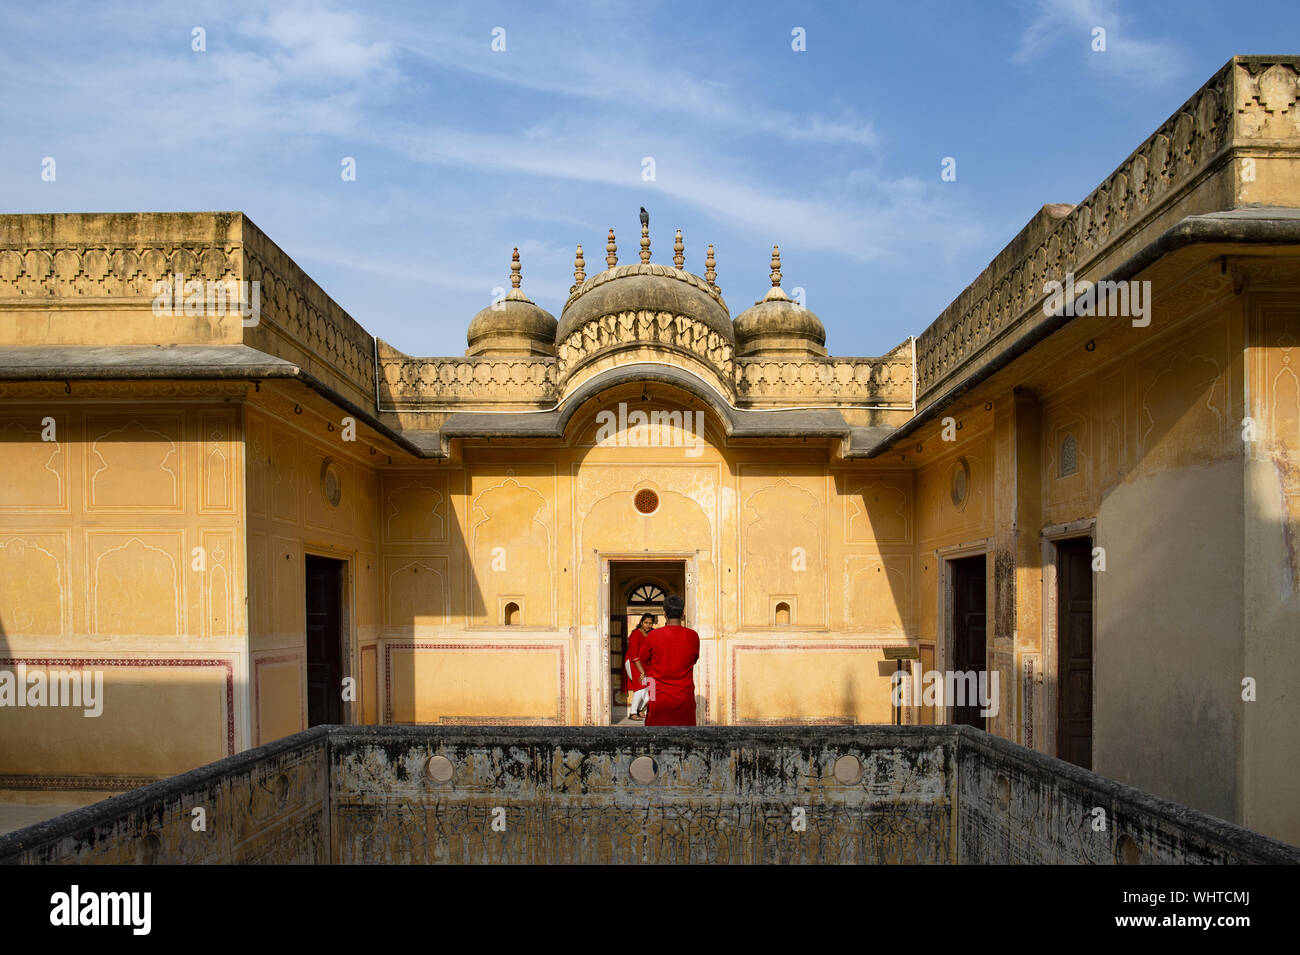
point(1015, 595)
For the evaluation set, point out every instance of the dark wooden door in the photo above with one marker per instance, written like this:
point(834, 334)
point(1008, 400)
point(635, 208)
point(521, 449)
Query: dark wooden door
point(1074, 651)
point(324, 640)
point(968, 629)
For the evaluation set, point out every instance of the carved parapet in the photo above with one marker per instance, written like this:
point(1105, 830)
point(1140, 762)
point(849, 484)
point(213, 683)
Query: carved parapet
point(819, 381)
point(412, 384)
point(632, 329)
point(89, 279)
point(1250, 101)
point(93, 279)
point(308, 326)
point(107, 271)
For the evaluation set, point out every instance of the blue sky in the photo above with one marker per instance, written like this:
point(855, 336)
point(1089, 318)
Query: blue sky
point(463, 152)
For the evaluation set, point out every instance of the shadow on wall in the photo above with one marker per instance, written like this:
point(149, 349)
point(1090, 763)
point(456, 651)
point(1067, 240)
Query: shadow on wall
point(430, 583)
point(1170, 531)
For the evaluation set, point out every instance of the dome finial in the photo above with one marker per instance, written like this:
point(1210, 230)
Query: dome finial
point(579, 269)
point(710, 270)
point(515, 274)
point(645, 238)
point(611, 259)
point(679, 251)
point(776, 293)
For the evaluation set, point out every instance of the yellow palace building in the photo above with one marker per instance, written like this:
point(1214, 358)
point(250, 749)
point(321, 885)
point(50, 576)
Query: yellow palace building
point(227, 512)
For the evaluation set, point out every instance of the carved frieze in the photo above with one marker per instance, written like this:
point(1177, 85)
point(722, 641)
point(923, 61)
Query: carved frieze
point(633, 327)
point(107, 271)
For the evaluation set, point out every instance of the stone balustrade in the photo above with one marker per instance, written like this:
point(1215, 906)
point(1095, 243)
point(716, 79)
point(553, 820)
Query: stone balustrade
point(813, 794)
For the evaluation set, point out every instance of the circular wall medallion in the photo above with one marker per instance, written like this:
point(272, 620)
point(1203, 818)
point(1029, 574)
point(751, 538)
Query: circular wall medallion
point(331, 483)
point(439, 769)
point(848, 769)
point(643, 770)
point(646, 500)
point(960, 483)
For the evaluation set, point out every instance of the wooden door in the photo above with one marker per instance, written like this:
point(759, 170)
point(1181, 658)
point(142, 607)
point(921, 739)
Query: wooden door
point(968, 629)
point(1074, 651)
point(324, 640)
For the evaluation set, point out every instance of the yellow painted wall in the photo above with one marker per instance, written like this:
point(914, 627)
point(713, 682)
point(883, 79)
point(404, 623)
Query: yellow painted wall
point(1271, 735)
point(1197, 527)
point(120, 552)
point(289, 517)
point(532, 528)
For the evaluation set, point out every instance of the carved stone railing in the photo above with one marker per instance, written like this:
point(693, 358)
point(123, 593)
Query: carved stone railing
point(414, 383)
point(527, 794)
point(1251, 100)
point(333, 345)
point(814, 381)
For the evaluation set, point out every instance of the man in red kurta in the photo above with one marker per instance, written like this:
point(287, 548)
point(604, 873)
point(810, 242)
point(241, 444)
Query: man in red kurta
point(668, 655)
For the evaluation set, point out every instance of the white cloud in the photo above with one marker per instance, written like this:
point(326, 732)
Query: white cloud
point(1059, 23)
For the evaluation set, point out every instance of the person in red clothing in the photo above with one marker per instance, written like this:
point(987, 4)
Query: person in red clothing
point(668, 656)
point(631, 676)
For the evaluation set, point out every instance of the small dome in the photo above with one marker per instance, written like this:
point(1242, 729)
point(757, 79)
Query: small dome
point(512, 327)
point(777, 327)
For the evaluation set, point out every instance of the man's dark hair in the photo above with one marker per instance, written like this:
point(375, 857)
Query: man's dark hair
point(674, 607)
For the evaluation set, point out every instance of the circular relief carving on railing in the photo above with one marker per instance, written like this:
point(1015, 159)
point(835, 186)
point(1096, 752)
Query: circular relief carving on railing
point(440, 769)
point(646, 501)
point(848, 770)
point(643, 770)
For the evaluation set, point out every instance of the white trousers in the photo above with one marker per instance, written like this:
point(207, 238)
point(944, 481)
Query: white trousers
point(639, 697)
point(639, 700)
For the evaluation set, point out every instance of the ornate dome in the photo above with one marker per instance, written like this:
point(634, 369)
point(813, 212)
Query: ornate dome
point(513, 326)
point(645, 287)
point(777, 327)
